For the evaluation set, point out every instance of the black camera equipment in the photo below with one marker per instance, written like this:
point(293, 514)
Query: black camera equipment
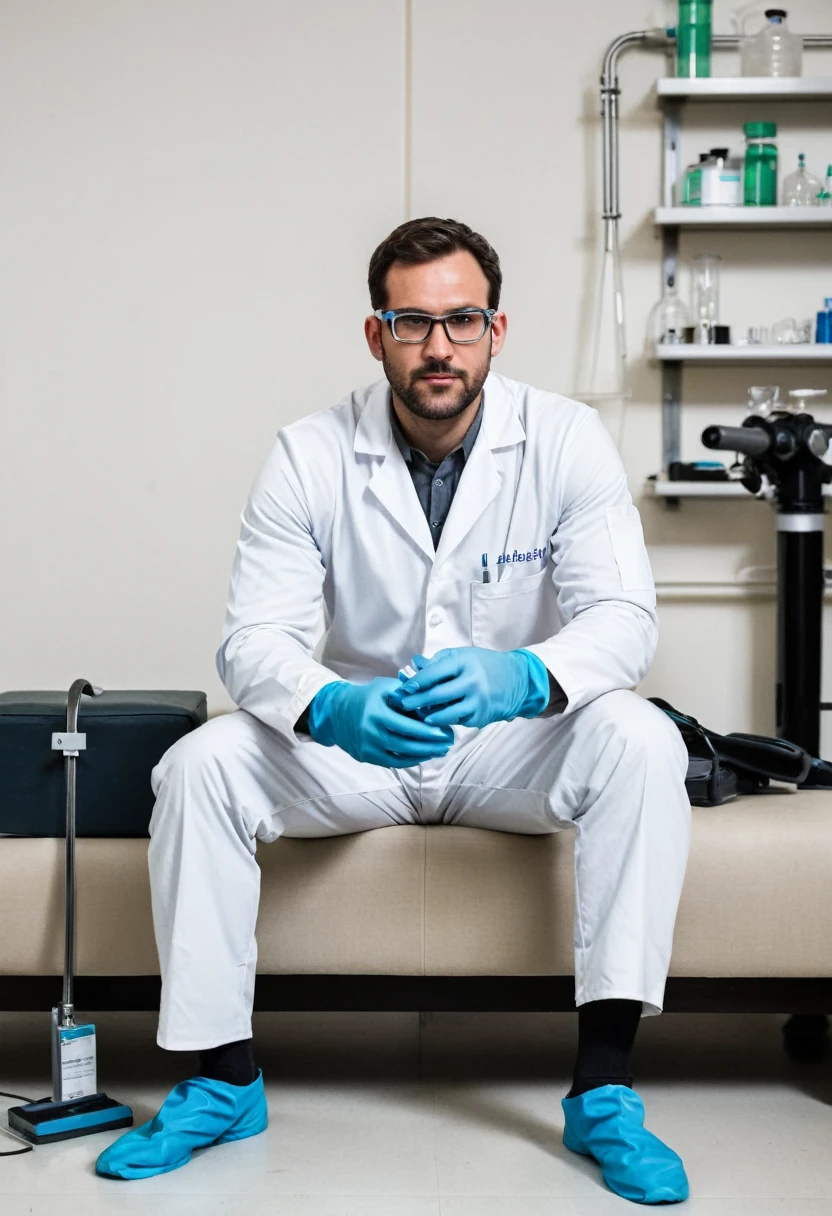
point(788, 450)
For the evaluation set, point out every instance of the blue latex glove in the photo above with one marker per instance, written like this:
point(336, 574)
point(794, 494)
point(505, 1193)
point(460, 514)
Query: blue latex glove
point(359, 718)
point(472, 686)
point(608, 1124)
point(195, 1114)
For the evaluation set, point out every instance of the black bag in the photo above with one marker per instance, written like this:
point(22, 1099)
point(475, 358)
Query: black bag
point(722, 766)
point(127, 735)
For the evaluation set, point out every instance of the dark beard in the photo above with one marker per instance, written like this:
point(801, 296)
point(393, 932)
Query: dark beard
point(440, 408)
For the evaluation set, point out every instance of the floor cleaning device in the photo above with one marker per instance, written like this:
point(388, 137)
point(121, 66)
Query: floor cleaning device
point(76, 1108)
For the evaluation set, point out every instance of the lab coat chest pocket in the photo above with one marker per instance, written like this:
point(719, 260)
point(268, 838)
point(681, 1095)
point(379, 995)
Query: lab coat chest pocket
point(508, 614)
point(627, 540)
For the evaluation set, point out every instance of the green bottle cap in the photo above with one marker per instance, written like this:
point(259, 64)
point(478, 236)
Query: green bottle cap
point(760, 130)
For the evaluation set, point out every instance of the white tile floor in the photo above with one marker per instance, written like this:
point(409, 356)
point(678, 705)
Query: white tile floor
point(453, 1115)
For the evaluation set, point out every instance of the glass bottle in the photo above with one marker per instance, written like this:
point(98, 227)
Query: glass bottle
point(760, 188)
point(775, 51)
point(693, 38)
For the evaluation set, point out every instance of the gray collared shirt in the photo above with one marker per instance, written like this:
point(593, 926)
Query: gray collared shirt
point(436, 484)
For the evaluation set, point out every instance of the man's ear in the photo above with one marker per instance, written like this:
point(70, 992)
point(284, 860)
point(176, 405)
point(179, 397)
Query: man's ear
point(372, 332)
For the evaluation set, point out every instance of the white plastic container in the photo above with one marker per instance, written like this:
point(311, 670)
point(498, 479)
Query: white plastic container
point(716, 181)
point(775, 51)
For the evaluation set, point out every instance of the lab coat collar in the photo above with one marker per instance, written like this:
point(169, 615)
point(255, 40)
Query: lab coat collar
point(481, 479)
point(392, 484)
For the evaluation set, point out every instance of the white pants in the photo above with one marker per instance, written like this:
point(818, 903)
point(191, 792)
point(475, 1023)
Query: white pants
point(614, 770)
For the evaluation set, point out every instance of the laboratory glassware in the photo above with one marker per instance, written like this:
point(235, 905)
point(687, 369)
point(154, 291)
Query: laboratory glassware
point(706, 289)
point(802, 188)
point(774, 51)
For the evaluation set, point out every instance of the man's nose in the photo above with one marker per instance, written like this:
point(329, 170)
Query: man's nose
point(437, 345)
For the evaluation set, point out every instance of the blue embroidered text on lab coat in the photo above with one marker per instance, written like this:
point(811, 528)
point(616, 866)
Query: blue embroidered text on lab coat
point(530, 555)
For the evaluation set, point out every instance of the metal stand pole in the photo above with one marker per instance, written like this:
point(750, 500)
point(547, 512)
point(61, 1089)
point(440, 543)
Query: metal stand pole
point(70, 742)
point(799, 627)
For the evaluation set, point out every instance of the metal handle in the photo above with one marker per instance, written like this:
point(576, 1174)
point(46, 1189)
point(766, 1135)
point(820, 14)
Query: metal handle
point(751, 440)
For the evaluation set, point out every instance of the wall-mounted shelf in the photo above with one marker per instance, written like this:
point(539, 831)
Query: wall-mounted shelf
point(747, 88)
point(663, 487)
point(671, 95)
point(743, 217)
point(712, 355)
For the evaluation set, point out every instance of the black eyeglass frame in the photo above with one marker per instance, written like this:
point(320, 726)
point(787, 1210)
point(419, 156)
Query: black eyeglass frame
point(392, 316)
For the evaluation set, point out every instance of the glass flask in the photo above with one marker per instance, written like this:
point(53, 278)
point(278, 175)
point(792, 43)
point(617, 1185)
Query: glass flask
point(668, 319)
point(802, 188)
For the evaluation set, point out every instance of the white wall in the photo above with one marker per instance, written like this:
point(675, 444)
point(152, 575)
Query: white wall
point(191, 191)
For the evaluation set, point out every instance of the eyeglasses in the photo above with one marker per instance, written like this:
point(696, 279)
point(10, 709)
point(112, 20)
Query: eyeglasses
point(467, 325)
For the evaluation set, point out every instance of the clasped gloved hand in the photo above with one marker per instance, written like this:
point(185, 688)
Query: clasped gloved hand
point(359, 719)
point(472, 686)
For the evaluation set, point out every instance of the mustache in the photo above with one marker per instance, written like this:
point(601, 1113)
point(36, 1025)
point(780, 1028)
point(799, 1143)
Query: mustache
point(438, 369)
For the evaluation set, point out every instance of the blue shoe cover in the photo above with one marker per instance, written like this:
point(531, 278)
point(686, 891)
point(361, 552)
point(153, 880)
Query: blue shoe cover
point(608, 1124)
point(198, 1112)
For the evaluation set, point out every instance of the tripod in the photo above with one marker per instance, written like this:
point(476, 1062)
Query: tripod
point(788, 449)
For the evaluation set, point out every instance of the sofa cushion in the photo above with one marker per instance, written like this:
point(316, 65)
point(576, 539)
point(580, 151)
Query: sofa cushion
point(447, 900)
point(498, 904)
point(757, 899)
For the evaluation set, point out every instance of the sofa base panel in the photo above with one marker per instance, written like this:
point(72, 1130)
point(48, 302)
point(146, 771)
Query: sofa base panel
point(401, 993)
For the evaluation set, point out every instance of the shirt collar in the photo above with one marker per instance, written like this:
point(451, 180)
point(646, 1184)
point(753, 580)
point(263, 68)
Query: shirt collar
point(467, 443)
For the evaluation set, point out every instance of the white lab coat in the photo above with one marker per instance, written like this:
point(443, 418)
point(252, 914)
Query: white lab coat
point(333, 534)
point(334, 526)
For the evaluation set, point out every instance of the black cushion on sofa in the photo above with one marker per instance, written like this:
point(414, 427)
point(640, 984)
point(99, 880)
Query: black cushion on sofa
point(127, 734)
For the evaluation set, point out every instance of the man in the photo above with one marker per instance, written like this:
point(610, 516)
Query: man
point(479, 533)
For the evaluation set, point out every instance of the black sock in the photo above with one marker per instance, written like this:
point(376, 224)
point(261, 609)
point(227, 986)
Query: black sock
point(606, 1034)
point(232, 1062)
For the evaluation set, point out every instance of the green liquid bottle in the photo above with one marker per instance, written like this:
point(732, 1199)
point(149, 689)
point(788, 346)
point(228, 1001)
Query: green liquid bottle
point(693, 38)
point(760, 188)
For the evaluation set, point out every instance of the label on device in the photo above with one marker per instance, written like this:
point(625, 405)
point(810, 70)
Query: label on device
point(77, 1059)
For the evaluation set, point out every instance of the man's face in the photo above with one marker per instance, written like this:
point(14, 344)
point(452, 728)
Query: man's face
point(436, 379)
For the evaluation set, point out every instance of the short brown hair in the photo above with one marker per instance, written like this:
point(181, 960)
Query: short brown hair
point(426, 240)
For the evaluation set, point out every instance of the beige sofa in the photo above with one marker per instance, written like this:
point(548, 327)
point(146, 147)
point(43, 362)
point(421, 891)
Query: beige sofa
point(412, 910)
